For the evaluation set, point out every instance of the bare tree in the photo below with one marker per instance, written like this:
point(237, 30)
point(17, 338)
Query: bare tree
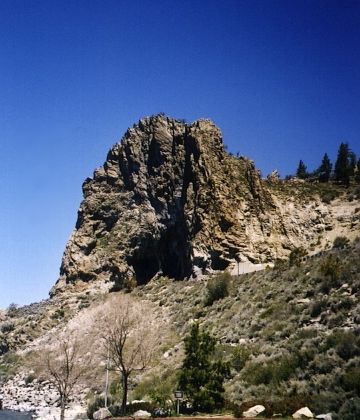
point(130, 338)
point(64, 367)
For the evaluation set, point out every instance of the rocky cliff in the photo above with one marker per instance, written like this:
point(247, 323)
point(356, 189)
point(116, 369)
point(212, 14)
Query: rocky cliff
point(169, 199)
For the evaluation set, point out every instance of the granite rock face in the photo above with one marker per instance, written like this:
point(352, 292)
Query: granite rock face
point(169, 199)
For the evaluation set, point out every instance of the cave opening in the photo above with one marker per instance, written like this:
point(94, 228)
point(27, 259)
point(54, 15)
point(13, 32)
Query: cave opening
point(145, 265)
point(175, 253)
point(217, 262)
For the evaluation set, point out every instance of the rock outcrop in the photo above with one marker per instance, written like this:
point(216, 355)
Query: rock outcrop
point(169, 199)
point(40, 398)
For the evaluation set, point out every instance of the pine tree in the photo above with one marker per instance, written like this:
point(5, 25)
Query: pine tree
point(301, 171)
point(342, 165)
point(324, 170)
point(352, 162)
point(202, 377)
point(357, 174)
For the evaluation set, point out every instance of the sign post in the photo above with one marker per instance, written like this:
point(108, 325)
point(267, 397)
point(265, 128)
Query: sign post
point(179, 395)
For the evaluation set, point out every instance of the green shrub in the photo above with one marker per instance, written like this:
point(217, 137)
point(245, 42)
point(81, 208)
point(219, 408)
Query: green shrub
point(340, 242)
point(351, 380)
point(285, 406)
point(95, 404)
point(58, 314)
point(9, 364)
point(4, 345)
point(130, 284)
point(331, 268)
point(237, 411)
point(280, 264)
point(7, 326)
point(275, 371)
point(344, 304)
point(345, 343)
point(336, 320)
point(161, 394)
point(326, 402)
point(350, 410)
point(296, 255)
point(12, 310)
point(217, 287)
point(317, 307)
point(115, 409)
point(84, 304)
point(240, 356)
point(327, 196)
point(30, 378)
point(115, 390)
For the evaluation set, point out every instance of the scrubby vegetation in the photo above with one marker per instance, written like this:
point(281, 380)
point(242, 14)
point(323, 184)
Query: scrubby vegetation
point(217, 288)
point(289, 335)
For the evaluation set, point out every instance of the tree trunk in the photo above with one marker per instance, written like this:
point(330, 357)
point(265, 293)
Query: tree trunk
point(62, 408)
point(125, 392)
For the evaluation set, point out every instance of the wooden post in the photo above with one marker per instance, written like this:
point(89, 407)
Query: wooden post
point(107, 379)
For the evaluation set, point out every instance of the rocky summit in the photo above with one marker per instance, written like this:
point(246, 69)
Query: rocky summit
point(170, 200)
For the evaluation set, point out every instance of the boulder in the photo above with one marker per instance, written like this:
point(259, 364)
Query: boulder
point(254, 411)
point(142, 413)
point(303, 412)
point(102, 413)
point(327, 416)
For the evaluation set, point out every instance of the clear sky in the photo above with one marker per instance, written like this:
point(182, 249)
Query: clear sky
point(280, 78)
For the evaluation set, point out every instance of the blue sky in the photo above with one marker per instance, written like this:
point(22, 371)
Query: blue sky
point(280, 78)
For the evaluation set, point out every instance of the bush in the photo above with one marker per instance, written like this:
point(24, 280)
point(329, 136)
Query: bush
point(340, 242)
point(280, 264)
point(12, 310)
point(351, 380)
point(296, 255)
point(58, 314)
point(161, 412)
point(237, 411)
point(7, 326)
point(275, 371)
point(217, 288)
point(317, 307)
point(345, 343)
point(328, 196)
point(30, 378)
point(350, 410)
point(284, 406)
point(115, 410)
point(130, 284)
point(327, 402)
point(9, 364)
point(95, 404)
point(331, 268)
point(4, 345)
point(240, 356)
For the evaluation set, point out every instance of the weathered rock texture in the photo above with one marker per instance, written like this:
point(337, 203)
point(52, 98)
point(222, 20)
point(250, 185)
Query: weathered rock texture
point(169, 199)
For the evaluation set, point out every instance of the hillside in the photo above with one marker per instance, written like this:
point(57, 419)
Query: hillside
point(291, 333)
point(169, 214)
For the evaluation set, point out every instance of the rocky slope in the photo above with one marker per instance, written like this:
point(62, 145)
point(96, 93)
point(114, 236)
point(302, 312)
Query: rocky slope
point(169, 199)
point(291, 334)
point(170, 203)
